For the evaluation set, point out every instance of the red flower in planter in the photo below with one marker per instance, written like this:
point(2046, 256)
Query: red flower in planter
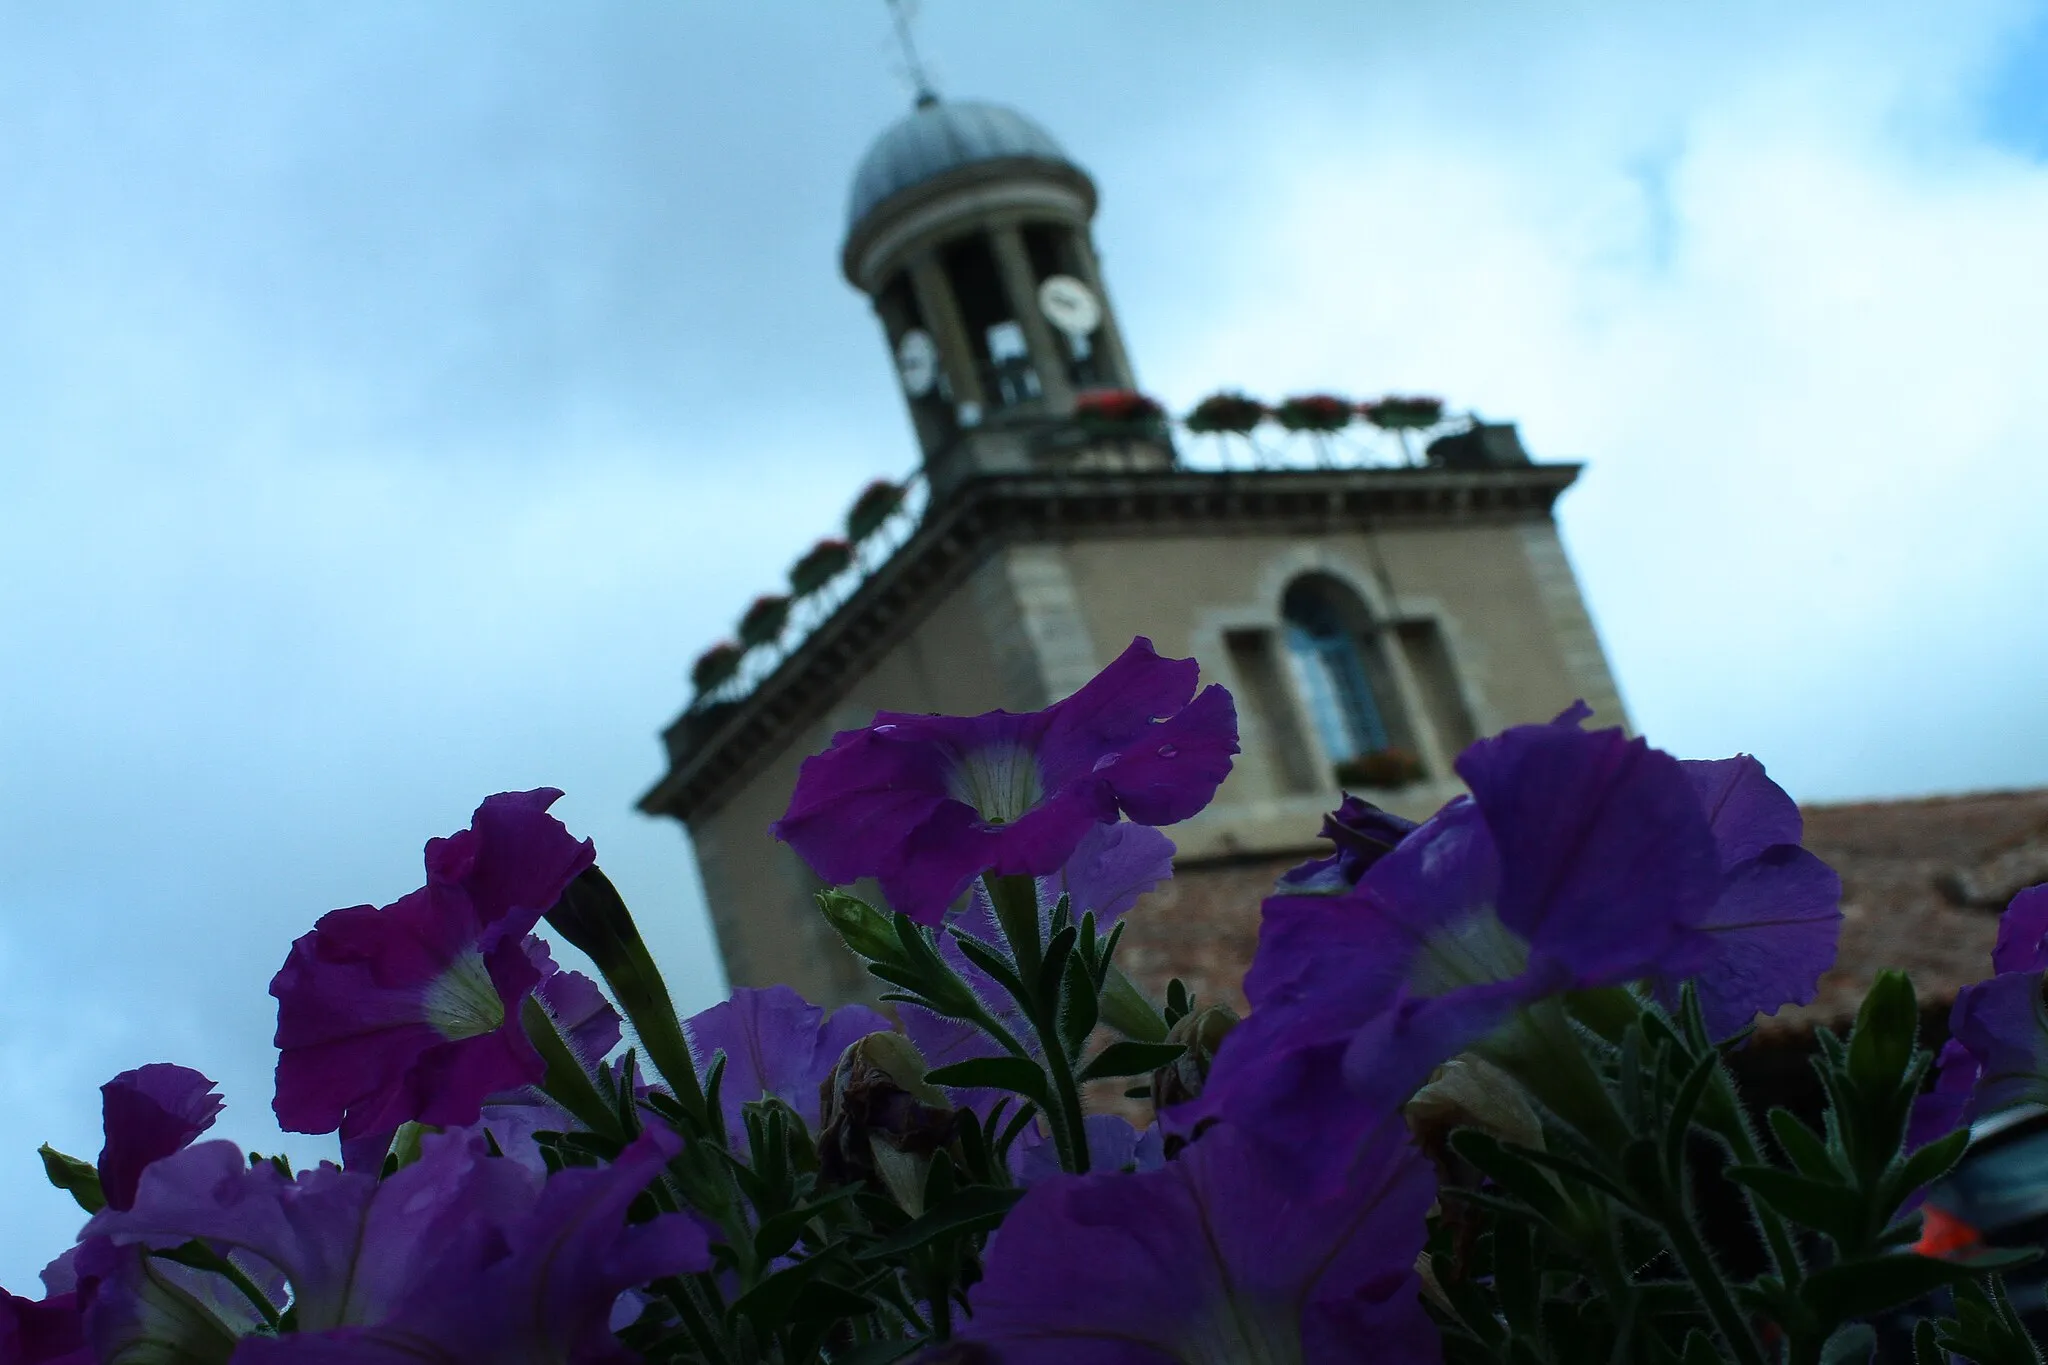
point(1116, 407)
point(1315, 412)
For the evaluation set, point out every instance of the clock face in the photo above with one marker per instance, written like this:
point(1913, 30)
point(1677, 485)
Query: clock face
point(917, 361)
point(1069, 305)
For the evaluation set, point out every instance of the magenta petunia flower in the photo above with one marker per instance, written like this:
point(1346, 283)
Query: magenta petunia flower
point(925, 804)
point(411, 1012)
point(149, 1113)
point(777, 1044)
point(1235, 1251)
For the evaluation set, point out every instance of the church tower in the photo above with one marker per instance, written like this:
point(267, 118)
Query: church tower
point(1373, 608)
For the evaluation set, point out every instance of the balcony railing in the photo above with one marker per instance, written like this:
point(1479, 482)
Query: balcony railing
point(1356, 447)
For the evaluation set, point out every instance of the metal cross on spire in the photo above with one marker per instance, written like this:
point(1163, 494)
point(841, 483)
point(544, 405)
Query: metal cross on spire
point(902, 12)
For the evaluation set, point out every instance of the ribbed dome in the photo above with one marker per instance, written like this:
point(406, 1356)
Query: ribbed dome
point(936, 138)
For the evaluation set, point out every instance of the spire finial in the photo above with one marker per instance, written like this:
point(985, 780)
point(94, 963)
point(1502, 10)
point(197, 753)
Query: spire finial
point(899, 13)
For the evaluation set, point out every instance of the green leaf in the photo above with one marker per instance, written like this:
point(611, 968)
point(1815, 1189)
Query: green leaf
point(1834, 1209)
point(1852, 1344)
point(79, 1179)
point(969, 1210)
point(777, 1235)
point(1700, 1349)
point(1014, 1074)
point(1128, 1058)
point(1925, 1166)
point(1079, 1011)
point(1509, 1169)
point(1518, 1282)
point(1881, 1044)
point(991, 960)
point(1052, 971)
point(1808, 1152)
point(875, 1353)
point(1869, 1285)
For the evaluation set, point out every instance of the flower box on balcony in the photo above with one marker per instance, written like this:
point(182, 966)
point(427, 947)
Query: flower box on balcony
point(1316, 412)
point(1382, 769)
point(1403, 414)
point(821, 564)
point(1226, 412)
point(715, 665)
point(876, 503)
point(764, 620)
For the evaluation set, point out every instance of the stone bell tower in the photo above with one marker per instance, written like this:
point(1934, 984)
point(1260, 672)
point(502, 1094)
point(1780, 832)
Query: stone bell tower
point(1373, 607)
point(968, 228)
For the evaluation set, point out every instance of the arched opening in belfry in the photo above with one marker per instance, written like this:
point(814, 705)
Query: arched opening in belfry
point(1340, 659)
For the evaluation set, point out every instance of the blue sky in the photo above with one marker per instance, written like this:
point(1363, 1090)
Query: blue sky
point(394, 399)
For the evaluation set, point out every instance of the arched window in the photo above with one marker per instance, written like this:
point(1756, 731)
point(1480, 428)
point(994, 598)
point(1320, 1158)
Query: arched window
point(1337, 657)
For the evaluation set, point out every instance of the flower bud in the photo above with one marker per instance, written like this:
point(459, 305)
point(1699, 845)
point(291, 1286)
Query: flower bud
point(1202, 1032)
point(1363, 834)
point(1470, 1092)
point(864, 929)
point(593, 916)
point(881, 1122)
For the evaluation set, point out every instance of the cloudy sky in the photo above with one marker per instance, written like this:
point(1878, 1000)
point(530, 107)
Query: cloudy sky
point(395, 398)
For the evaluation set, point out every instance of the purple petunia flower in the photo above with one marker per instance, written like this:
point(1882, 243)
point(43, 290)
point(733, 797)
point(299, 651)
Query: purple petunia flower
point(139, 1307)
point(926, 804)
point(1113, 1145)
point(1363, 834)
point(1774, 928)
point(1582, 859)
point(411, 1012)
point(147, 1114)
point(46, 1331)
point(777, 1044)
point(466, 1256)
point(1233, 1252)
point(1998, 1052)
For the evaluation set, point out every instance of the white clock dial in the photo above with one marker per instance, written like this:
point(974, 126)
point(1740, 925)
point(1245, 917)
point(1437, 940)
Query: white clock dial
point(1069, 305)
point(917, 361)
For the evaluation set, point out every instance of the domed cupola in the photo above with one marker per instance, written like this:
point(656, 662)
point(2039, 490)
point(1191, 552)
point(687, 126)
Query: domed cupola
point(968, 228)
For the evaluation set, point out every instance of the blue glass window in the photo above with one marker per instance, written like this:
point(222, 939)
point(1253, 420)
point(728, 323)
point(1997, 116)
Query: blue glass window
point(1330, 661)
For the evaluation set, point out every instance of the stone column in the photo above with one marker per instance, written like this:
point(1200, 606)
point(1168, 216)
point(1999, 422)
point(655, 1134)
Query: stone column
point(956, 355)
point(1108, 341)
point(1048, 352)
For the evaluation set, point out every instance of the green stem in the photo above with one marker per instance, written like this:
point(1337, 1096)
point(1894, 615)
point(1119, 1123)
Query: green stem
point(1699, 1267)
point(1742, 1142)
point(1066, 1093)
point(1540, 1050)
point(565, 1081)
point(1015, 901)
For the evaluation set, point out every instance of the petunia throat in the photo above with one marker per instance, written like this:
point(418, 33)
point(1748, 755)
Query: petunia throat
point(463, 1002)
point(1001, 781)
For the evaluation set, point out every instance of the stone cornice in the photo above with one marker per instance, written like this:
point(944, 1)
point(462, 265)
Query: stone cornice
point(711, 751)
